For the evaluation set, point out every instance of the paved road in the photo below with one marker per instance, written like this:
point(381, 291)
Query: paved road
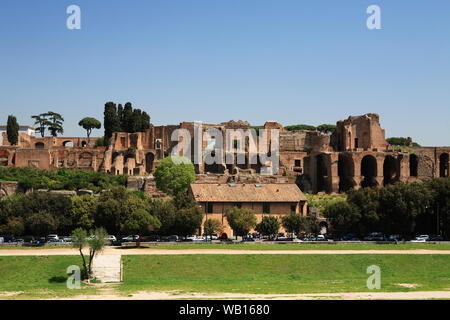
point(118, 251)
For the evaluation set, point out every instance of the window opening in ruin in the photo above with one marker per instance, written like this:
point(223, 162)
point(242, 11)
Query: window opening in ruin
point(369, 171)
point(443, 165)
point(413, 165)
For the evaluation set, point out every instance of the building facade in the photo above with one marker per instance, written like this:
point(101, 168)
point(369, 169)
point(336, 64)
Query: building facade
point(354, 156)
point(273, 199)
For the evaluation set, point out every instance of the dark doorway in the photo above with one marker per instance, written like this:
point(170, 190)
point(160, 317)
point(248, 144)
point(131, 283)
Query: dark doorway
point(369, 171)
point(322, 173)
point(149, 159)
point(39, 145)
point(443, 165)
point(391, 170)
point(346, 172)
point(413, 165)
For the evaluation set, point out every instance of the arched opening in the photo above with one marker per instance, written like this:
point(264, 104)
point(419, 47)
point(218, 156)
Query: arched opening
point(443, 165)
point(413, 165)
point(369, 171)
point(83, 144)
point(39, 145)
point(149, 159)
point(391, 170)
point(68, 144)
point(346, 172)
point(322, 173)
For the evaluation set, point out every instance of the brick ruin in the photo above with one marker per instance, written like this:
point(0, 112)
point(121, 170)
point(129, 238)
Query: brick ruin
point(354, 156)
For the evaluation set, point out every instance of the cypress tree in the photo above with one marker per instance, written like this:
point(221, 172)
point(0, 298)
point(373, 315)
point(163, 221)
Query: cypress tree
point(111, 121)
point(12, 130)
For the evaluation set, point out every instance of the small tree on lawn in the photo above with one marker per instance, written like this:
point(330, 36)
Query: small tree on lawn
point(89, 124)
point(268, 226)
point(96, 242)
point(241, 220)
point(79, 241)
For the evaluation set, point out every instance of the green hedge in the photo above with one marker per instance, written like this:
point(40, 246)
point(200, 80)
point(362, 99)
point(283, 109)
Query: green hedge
point(63, 179)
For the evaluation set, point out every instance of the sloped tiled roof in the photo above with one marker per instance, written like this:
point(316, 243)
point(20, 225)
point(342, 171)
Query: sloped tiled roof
point(246, 192)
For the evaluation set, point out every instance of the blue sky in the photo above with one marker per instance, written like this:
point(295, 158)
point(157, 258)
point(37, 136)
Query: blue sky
point(292, 61)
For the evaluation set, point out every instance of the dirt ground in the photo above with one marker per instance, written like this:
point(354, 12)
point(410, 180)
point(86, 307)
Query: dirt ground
point(109, 295)
point(118, 251)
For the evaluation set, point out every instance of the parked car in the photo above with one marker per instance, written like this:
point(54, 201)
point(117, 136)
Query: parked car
point(52, 236)
point(112, 238)
point(172, 238)
point(417, 239)
point(67, 239)
point(41, 241)
point(153, 238)
point(350, 237)
point(2, 240)
point(321, 237)
point(392, 238)
point(437, 238)
point(375, 236)
point(8, 238)
point(189, 239)
point(210, 236)
point(28, 239)
point(423, 237)
point(130, 238)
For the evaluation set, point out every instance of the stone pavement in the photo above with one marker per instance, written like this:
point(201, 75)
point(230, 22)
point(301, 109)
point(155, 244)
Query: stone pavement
point(107, 268)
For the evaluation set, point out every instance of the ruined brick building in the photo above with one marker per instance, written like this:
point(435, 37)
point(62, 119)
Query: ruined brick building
point(354, 156)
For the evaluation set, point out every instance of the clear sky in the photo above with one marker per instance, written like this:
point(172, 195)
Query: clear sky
point(292, 61)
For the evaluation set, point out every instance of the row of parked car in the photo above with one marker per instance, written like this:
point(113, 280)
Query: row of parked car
point(378, 236)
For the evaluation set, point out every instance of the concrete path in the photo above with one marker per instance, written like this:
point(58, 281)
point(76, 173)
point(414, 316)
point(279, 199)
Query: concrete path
point(144, 251)
point(107, 268)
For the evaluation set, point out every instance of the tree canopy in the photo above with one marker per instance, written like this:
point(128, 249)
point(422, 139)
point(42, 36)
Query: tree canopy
point(89, 124)
point(174, 175)
point(241, 220)
point(268, 226)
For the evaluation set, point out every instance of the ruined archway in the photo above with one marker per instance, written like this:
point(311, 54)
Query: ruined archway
point(346, 172)
point(443, 165)
point(369, 171)
point(39, 145)
point(391, 170)
point(413, 165)
point(322, 173)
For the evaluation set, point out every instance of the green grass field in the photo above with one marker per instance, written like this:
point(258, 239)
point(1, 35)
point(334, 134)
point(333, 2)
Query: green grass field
point(45, 277)
point(38, 277)
point(282, 274)
point(300, 246)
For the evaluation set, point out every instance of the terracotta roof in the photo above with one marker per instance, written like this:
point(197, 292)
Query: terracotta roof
point(205, 192)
